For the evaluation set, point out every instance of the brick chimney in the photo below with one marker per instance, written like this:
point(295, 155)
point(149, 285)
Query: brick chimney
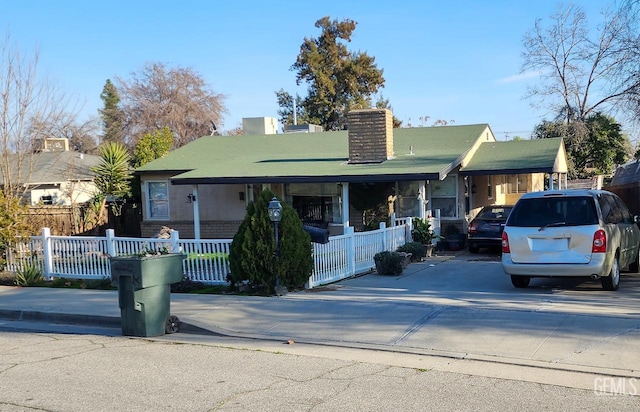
point(370, 135)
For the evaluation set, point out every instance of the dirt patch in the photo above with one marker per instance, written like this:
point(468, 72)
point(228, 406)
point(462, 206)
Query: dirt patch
point(322, 289)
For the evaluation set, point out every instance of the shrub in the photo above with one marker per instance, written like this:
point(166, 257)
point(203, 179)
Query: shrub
point(252, 255)
point(186, 285)
point(388, 263)
point(417, 250)
point(102, 284)
point(29, 275)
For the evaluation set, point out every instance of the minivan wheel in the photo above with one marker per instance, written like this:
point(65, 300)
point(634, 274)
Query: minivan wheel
point(612, 281)
point(520, 281)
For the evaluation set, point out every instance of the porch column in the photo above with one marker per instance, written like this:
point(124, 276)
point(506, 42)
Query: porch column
point(196, 212)
point(345, 204)
point(470, 192)
point(422, 195)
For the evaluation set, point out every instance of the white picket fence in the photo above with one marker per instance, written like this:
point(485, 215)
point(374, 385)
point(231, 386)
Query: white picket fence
point(87, 257)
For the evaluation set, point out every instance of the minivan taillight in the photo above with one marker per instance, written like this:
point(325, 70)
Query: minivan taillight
point(505, 243)
point(599, 242)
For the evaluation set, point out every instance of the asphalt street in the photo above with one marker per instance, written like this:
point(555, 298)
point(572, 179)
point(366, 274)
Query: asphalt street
point(77, 373)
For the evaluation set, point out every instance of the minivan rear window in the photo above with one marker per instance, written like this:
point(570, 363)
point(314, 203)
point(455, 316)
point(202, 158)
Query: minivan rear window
point(554, 211)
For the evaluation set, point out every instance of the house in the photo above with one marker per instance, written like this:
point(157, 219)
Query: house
point(53, 175)
point(626, 184)
point(334, 178)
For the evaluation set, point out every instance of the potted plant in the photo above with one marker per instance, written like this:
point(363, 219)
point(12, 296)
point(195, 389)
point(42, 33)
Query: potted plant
point(422, 233)
point(455, 239)
point(417, 250)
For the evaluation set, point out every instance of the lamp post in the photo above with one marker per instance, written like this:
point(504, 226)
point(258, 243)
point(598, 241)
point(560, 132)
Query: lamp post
point(275, 214)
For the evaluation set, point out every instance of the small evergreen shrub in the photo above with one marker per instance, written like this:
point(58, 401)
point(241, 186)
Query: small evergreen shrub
point(389, 263)
point(417, 250)
point(252, 255)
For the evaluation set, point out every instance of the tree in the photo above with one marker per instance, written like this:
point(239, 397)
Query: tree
point(177, 98)
point(113, 175)
point(383, 103)
point(338, 80)
point(593, 146)
point(152, 146)
point(252, 255)
point(81, 135)
point(581, 74)
point(29, 105)
point(111, 114)
point(13, 225)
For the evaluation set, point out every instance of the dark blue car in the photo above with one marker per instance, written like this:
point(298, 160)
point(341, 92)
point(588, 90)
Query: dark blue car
point(485, 230)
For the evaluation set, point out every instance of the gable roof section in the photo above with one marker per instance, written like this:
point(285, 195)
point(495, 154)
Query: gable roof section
point(52, 168)
point(316, 157)
point(519, 156)
point(626, 174)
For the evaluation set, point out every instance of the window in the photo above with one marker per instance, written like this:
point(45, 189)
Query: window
point(516, 183)
point(316, 202)
point(407, 202)
point(556, 211)
point(158, 200)
point(444, 196)
point(489, 188)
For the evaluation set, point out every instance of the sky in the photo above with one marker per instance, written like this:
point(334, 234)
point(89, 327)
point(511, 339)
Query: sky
point(458, 61)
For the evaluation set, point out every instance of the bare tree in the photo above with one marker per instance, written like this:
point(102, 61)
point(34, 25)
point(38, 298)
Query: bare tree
point(82, 135)
point(177, 98)
point(581, 74)
point(28, 102)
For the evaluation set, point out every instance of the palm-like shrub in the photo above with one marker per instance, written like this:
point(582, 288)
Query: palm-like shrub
point(252, 255)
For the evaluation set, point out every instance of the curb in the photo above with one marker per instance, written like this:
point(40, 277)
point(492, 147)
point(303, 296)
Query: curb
point(59, 318)
point(88, 320)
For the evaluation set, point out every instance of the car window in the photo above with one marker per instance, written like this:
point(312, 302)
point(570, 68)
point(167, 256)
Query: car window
point(561, 211)
point(494, 213)
point(626, 215)
point(605, 208)
point(616, 212)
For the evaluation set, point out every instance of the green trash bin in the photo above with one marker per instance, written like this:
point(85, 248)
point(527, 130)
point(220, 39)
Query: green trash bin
point(144, 290)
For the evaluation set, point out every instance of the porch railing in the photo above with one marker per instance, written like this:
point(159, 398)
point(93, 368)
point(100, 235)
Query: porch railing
point(87, 257)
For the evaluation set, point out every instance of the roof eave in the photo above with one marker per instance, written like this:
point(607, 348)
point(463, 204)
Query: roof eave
point(305, 179)
point(513, 171)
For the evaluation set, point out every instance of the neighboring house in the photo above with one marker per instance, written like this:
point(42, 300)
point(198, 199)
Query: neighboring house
point(54, 175)
point(202, 189)
point(626, 184)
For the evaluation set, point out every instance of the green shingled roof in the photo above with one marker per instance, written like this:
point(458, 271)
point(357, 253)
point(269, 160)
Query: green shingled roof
point(316, 157)
point(520, 156)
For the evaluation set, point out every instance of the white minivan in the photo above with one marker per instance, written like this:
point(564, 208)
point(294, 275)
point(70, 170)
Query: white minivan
point(570, 233)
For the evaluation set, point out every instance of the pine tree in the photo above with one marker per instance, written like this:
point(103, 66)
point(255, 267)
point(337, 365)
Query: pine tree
point(338, 79)
point(253, 251)
point(112, 115)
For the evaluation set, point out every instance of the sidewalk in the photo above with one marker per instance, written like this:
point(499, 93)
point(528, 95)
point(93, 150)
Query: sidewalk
point(421, 312)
